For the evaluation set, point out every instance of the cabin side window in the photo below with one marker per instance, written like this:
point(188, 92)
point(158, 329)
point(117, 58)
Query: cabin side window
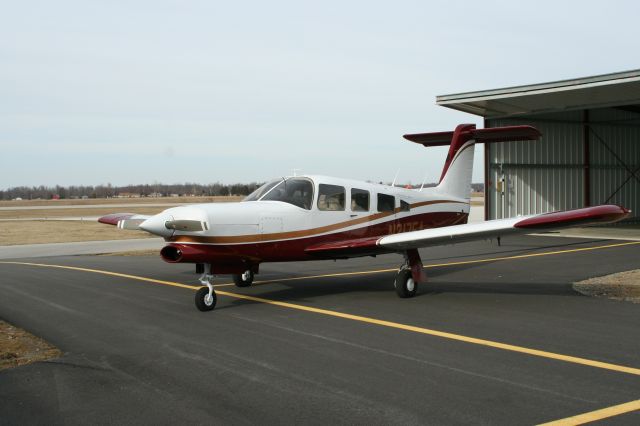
point(404, 206)
point(331, 197)
point(359, 200)
point(386, 203)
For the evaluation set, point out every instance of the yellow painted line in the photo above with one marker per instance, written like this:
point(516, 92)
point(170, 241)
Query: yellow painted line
point(224, 285)
point(114, 274)
point(368, 320)
point(451, 336)
point(593, 416)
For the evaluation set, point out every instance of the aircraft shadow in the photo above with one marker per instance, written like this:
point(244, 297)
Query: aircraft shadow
point(310, 291)
point(518, 249)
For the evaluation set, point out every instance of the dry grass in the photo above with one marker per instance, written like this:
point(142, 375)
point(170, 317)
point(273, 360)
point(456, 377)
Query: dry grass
point(86, 208)
point(620, 286)
point(17, 347)
point(61, 231)
point(39, 231)
point(94, 201)
point(73, 212)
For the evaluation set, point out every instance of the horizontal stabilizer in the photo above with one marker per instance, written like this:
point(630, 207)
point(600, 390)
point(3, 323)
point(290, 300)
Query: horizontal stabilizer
point(431, 139)
point(495, 134)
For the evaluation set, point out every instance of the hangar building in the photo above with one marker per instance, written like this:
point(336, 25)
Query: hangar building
point(589, 152)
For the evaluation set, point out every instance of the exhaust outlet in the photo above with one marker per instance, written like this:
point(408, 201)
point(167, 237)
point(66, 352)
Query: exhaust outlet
point(178, 253)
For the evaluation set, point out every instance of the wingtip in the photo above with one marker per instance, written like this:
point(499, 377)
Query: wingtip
point(607, 213)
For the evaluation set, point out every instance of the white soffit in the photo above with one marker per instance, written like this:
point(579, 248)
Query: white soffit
point(582, 93)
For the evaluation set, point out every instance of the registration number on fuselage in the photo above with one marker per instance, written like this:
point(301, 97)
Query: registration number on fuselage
point(396, 228)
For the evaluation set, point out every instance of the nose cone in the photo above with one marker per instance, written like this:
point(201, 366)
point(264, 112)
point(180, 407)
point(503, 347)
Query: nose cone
point(156, 225)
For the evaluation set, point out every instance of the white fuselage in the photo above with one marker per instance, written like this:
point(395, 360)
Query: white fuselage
point(267, 220)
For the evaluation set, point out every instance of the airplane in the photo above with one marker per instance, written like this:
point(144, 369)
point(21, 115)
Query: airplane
point(313, 217)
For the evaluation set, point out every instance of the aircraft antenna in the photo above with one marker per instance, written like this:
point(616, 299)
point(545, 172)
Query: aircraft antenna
point(424, 179)
point(395, 177)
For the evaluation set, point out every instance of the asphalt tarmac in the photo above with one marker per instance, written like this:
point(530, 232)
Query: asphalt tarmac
point(497, 336)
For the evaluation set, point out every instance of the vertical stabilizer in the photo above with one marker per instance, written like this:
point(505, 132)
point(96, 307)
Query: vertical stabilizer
point(456, 175)
point(455, 179)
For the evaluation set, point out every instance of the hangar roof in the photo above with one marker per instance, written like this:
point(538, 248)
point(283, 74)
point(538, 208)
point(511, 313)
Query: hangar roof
point(622, 88)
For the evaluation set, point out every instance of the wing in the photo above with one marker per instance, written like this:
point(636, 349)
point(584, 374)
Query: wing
point(469, 232)
point(124, 220)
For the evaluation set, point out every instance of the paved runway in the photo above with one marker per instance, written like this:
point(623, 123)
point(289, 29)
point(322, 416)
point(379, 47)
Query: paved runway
point(80, 247)
point(497, 337)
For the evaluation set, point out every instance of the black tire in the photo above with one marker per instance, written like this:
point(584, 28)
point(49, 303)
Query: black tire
point(201, 303)
point(405, 285)
point(237, 279)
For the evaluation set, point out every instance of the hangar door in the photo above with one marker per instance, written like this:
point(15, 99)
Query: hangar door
point(583, 158)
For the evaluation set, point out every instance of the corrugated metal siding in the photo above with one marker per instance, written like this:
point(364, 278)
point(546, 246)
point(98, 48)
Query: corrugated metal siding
point(540, 176)
point(549, 174)
point(615, 133)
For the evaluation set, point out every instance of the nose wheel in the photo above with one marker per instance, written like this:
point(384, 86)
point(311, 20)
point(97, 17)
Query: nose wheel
point(206, 297)
point(205, 300)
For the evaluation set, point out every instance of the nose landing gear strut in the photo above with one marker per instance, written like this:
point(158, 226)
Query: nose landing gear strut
point(206, 297)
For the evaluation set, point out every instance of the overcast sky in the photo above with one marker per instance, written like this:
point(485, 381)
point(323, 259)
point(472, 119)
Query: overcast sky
point(172, 91)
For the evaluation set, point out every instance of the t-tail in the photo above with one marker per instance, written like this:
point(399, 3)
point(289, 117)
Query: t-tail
point(455, 180)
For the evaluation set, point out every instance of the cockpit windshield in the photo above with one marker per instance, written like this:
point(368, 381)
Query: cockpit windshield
point(255, 195)
point(296, 191)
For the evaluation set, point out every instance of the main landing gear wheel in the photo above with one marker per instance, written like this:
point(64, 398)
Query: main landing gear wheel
point(243, 280)
point(405, 285)
point(204, 301)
